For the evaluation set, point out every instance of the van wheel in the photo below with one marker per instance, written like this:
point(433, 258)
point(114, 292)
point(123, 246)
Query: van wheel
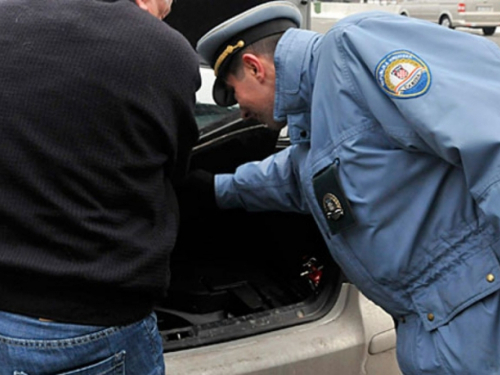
point(489, 30)
point(446, 22)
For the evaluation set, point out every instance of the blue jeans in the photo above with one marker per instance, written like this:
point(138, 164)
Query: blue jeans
point(29, 346)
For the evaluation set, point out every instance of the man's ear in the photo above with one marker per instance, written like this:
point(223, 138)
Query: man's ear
point(254, 65)
point(143, 4)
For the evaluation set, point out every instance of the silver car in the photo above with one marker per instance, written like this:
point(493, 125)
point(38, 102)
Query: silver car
point(476, 14)
point(258, 293)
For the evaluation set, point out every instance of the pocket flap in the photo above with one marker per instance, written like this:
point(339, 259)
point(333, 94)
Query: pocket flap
point(463, 284)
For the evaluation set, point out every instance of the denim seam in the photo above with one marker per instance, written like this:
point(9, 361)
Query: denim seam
point(120, 363)
point(63, 343)
point(115, 366)
point(149, 336)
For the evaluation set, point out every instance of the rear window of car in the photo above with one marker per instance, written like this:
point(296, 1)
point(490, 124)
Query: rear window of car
point(207, 112)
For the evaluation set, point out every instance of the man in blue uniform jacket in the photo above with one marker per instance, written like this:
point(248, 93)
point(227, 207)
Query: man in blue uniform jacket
point(395, 131)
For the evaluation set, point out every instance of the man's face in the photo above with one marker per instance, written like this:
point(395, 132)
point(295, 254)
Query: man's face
point(158, 8)
point(254, 90)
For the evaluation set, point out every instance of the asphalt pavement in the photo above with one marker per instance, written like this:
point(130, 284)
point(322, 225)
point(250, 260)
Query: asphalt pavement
point(495, 37)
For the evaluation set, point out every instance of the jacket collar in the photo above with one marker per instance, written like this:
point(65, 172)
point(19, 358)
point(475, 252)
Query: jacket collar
point(295, 72)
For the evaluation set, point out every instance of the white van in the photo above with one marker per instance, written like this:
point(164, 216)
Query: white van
point(477, 14)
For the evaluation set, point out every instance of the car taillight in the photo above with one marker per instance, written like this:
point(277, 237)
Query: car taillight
point(461, 7)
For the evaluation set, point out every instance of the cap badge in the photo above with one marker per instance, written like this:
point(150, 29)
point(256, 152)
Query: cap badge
point(402, 75)
point(332, 207)
point(229, 50)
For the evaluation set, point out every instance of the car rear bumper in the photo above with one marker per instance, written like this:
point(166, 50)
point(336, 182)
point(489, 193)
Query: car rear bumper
point(338, 339)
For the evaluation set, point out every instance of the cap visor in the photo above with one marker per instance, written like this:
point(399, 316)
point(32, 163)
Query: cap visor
point(223, 95)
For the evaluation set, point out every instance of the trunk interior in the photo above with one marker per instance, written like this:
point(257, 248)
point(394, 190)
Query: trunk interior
point(236, 274)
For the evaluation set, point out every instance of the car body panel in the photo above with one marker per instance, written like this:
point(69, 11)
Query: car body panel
point(337, 343)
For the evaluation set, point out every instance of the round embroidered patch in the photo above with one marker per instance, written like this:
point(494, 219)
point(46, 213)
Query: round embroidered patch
point(402, 75)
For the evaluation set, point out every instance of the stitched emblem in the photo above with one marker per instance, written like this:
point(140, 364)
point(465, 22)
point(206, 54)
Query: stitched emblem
point(402, 75)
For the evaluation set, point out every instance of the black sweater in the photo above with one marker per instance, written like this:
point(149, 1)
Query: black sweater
point(96, 122)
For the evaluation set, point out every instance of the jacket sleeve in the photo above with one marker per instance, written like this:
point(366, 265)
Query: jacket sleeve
point(269, 185)
point(455, 115)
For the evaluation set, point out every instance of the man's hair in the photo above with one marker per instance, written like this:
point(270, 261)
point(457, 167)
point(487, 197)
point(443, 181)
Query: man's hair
point(263, 47)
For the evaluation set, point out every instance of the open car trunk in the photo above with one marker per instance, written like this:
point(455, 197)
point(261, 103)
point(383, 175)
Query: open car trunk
point(236, 274)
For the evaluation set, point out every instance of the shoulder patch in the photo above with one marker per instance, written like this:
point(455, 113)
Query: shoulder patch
point(402, 75)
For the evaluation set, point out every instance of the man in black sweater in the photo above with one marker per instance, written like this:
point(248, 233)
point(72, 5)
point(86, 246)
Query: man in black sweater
point(96, 124)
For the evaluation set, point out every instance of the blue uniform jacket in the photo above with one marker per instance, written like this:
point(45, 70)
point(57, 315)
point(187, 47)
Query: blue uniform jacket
point(409, 112)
